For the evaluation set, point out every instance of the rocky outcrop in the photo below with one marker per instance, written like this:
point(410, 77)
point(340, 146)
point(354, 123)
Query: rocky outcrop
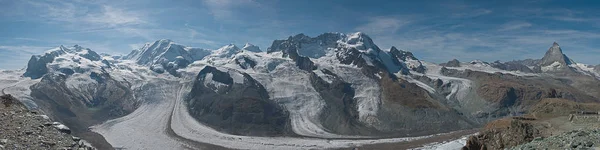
point(21, 128)
point(36, 67)
point(245, 62)
point(251, 48)
point(512, 66)
point(501, 134)
point(451, 63)
point(576, 139)
point(548, 120)
point(406, 59)
point(237, 105)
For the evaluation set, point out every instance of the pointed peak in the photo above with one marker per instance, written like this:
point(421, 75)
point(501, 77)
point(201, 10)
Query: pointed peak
point(555, 44)
point(394, 49)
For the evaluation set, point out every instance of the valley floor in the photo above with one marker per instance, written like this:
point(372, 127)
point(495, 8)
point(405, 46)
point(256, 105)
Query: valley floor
point(162, 122)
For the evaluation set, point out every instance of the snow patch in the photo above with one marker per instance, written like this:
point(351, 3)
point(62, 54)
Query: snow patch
point(552, 67)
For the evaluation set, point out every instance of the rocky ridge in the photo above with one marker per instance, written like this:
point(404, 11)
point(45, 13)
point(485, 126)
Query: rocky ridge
point(21, 128)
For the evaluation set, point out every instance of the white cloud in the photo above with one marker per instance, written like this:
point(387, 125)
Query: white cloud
point(382, 25)
point(112, 17)
point(514, 26)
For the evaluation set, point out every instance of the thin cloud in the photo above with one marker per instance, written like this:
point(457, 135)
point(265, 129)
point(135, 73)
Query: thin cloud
point(514, 26)
point(113, 17)
point(382, 25)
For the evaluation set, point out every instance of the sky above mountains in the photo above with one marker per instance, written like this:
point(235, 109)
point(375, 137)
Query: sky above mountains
point(435, 31)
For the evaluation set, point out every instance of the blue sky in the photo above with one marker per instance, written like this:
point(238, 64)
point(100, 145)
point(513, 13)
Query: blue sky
point(435, 31)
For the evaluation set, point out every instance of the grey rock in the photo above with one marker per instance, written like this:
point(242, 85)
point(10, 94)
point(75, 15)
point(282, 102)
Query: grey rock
point(238, 108)
point(452, 63)
point(3, 141)
point(555, 54)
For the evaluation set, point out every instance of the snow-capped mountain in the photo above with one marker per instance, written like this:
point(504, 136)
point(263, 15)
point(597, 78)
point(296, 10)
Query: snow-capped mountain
point(302, 89)
point(252, 48)
point(555, 60)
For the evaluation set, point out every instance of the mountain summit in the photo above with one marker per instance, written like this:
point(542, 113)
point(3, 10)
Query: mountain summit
point(555, 59)
point(555, 54)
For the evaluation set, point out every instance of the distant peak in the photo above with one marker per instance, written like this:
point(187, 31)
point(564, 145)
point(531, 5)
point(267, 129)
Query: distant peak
point(394, 49)
point(252, 48)
point(165, 40)
point(231, 45)
point(555, 54)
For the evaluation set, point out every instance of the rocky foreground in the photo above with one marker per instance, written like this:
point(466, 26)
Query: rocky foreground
point(576, 139)
point(21, 128)
point(550, 124)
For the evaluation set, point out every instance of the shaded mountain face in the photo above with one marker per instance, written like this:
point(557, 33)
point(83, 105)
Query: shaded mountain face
point(555, 60)
point(452, 63)
point(235, 103)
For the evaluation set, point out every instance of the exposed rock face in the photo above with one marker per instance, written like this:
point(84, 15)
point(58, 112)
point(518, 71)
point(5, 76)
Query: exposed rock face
point(503, 134)
point(87, 53)
point(406, 59)
point(555, 60)
point(25, 129)
point(245, 62)
point(576, 139)
point(36, 67)
point(555, 54)
point(235, 103)
point(544, 120)
point(452, 63)
point(512, 66)
point(408, 109)
point(340, 115)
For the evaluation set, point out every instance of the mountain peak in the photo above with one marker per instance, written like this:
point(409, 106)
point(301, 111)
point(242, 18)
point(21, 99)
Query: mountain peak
point(227, 50)
point(251, 47)
point(164, 41)
point(394, 49)
point(555, 58)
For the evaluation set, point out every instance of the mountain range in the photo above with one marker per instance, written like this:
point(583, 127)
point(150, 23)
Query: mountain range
point(330, 91)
